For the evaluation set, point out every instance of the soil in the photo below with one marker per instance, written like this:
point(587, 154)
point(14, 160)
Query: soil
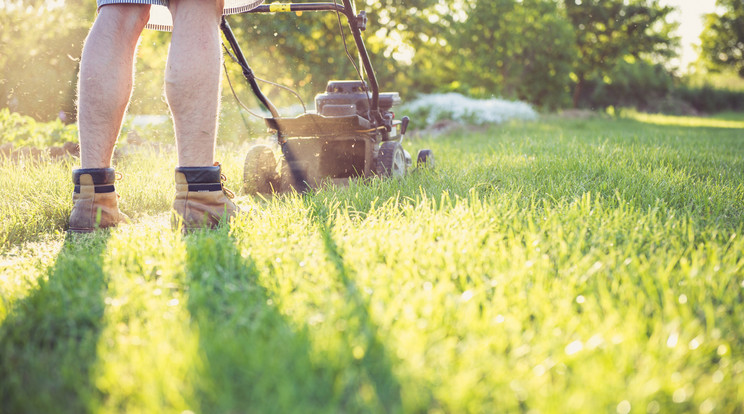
point(134, 144)
point(68, 150)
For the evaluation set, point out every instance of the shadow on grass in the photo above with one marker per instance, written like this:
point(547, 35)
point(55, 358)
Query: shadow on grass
point(254, 360)
point(373, 360)
point(370, 354)
point(48, 341)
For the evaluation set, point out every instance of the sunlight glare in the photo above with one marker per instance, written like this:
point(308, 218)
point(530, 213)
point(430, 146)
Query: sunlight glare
point(686, 121)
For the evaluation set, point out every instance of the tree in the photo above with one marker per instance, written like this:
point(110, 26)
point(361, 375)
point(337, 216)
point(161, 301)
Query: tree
point(722, 41)
point(483, 48)
point(521, 50)
point(41, 44)
point(609, 30)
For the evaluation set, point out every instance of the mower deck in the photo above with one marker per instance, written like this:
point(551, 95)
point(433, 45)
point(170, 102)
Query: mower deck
point(353, 134)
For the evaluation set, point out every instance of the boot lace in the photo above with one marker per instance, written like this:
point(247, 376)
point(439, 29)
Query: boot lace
point(226, 190)
point(118, 177)
point(223, 180)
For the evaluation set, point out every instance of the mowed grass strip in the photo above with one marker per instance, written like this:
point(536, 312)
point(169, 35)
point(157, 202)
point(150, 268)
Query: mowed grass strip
point(564, 266)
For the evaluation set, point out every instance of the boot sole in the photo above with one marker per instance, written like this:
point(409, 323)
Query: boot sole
point(80, 231)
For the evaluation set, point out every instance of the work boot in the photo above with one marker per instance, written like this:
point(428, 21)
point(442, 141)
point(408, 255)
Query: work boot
point(202, 201)
point(95, 203)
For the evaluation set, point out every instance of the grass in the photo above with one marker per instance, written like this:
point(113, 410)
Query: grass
point(729, 120)
point(560, 266)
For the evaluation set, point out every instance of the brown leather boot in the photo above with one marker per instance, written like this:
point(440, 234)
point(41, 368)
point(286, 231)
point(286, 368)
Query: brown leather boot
point(95, 201)
point(201, 201)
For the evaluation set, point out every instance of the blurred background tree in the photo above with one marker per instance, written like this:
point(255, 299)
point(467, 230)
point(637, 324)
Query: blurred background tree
point(40, 44)
point(609, 31)
point(515, 50)
point(722, 41)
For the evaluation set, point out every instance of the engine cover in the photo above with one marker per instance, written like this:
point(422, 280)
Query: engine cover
point(350, 97)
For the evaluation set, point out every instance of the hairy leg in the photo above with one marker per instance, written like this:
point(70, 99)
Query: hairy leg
point(106, 79)
point(192, 79)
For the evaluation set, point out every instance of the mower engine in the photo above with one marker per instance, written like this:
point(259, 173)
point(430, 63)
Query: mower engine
point(349, 97)
point(337, 142)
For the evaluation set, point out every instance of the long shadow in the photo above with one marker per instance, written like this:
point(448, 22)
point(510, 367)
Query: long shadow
point(48, 340)
point(254, 360)
point(375, 363)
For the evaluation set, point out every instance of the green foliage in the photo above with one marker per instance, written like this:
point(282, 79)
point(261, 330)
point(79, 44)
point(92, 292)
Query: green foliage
point(722, 41)
point(21, 131)
point(610, 30)
point(550, 53)
point(651, 88)
point(630, 83)
point(725, 79)
point(708, 99)
point(515, 50)
point(41, 44)
point(575, 266)
point(713, 92)
point(518, 50)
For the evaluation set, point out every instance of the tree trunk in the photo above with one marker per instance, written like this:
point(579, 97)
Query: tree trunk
point(577, 92)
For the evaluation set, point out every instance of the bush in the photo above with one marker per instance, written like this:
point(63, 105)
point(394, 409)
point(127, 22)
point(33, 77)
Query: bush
point(631, 83)
point(708, 99)
point(651, 88)
point(24, 131)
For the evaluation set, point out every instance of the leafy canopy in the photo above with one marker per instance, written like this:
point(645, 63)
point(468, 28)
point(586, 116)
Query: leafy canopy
point(608, 30)
point(722, 41)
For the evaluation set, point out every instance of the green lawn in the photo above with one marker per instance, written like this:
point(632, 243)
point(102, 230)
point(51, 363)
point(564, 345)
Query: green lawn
point(560, 266)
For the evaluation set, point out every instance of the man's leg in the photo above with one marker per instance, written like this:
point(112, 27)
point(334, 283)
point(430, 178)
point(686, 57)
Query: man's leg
point(105, 86)
point(192, 78)
point(192, 86)
point(106, 79)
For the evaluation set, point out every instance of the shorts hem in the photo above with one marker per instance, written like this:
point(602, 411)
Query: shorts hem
point(152, 2)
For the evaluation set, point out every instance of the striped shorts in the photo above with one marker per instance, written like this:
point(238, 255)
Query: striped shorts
point(160, 17)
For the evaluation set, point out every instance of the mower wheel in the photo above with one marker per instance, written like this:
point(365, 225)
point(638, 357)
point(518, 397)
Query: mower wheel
point(391, 160)
point(425, 159)
point(259, 173)
point(287, 180)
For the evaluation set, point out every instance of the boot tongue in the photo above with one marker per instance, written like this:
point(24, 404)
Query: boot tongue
point(199, 175)
point(99, 175)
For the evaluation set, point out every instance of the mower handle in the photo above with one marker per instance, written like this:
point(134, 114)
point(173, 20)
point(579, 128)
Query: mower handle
point(357, 24)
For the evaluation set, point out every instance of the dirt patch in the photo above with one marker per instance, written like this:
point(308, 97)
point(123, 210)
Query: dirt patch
point(58, 152)
point(134, 144)
point(438, 128)
point(578, 114)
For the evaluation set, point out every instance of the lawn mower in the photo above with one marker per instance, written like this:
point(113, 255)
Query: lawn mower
point(351, 134)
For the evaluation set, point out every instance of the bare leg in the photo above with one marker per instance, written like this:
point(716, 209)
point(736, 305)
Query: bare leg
point(192, 79)
point(106, 79)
